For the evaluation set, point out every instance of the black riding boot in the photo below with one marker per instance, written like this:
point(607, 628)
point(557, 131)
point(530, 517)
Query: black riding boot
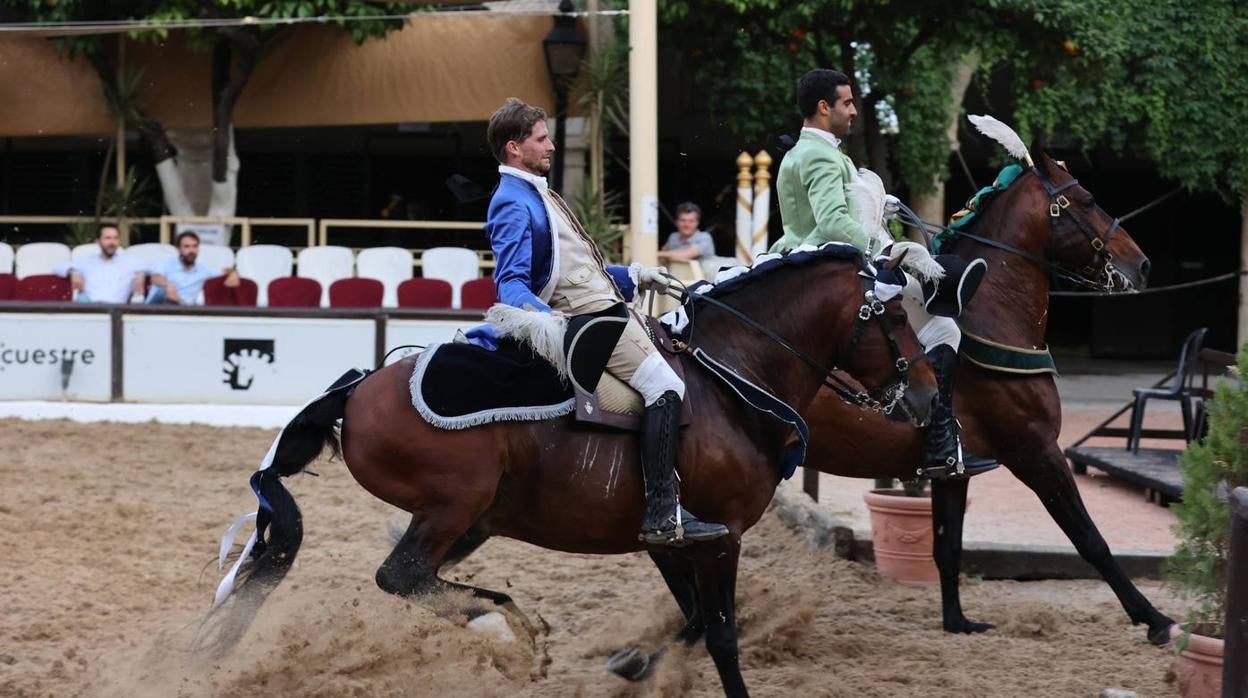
point(942, 450)
point(666, 522)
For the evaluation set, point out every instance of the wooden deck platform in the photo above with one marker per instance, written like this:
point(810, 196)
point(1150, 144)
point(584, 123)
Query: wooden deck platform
point(1154, 469)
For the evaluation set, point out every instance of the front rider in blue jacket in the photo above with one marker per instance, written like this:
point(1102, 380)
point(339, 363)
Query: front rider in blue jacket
point(546, 262)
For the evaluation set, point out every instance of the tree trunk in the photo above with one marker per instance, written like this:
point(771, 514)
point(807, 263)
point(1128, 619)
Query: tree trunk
point(228, 82)
point(877, 148)
point(1243, 266)
point(930, 204)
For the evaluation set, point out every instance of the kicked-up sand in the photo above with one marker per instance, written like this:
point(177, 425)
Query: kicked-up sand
point(109, 535)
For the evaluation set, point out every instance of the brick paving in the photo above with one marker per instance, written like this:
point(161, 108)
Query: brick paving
point(1003, 510)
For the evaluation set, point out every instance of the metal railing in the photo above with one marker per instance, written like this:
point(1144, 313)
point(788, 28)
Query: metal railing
point(168, 223)
point(122, 223)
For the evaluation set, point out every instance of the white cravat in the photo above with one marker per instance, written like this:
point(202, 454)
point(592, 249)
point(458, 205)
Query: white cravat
point(538, 181)
point(825, 135)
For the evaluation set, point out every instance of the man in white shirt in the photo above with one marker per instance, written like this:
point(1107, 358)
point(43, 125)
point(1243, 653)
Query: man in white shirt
point(107, 277)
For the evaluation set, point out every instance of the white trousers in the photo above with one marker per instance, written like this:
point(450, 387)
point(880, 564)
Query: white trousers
point(932, 330)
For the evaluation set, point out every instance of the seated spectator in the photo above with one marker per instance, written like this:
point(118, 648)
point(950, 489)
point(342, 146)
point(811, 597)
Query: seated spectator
point(107, 277)
point(181, 281)
point(688, 242)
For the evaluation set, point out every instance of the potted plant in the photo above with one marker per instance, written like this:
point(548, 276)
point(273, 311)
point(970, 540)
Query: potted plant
point(901, 533)
point(1198, 566)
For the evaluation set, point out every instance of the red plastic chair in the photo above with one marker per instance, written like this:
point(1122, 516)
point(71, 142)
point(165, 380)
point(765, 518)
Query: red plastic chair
point(478, 293)
point(44, 287)
point(425, 293)
point(243, 295)
point(294, 292)
point(8, 287)
point(356, 293)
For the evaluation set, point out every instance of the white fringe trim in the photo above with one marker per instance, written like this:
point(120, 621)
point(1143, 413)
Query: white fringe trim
point(498, 414)
point(543, 332)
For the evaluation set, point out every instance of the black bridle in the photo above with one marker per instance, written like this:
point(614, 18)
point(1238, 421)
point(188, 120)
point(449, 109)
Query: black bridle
point(883, 398)
point(1100, 266)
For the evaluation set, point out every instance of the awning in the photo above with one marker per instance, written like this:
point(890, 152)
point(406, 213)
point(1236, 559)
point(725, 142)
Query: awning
point(440, 67)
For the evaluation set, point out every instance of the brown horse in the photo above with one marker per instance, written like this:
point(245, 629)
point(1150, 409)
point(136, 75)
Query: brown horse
point(1014, 417)
point(562, 487)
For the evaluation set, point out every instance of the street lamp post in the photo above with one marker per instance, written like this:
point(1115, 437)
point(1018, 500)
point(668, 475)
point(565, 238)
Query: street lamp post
point(564, 47)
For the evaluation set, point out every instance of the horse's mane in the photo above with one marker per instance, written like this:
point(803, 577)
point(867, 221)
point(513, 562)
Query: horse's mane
point(732, 279)
point(979, 203)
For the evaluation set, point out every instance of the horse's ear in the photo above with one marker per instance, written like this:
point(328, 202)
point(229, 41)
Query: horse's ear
point(894, 263)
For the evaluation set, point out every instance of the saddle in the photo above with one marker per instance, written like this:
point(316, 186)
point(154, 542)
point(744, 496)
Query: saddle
point(460, 385)
point(601, 398)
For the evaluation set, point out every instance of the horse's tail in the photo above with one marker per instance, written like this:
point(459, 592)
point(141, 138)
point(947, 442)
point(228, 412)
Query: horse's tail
point(271, 550)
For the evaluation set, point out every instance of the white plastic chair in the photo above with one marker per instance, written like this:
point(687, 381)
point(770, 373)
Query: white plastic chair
point(152, 255)
point(389, 265)
point(6, 258)
point(86, 249)
point(215, 257)
point(326, 264)
point(39, 258)
point(453, 264)
point(262, 264)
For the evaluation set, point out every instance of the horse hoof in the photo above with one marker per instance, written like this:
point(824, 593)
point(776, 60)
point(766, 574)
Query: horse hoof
point(631, 664)
point(493, 624)
point(1160, 635)
point(968, 627)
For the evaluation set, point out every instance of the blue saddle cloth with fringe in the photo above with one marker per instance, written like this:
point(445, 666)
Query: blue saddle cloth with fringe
point(457, 385)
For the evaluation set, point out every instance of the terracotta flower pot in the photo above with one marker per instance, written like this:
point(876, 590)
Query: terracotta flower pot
point(901, 533)
point(1199, 665)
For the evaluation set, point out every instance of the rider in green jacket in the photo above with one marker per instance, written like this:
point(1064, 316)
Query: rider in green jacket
point(815, 209)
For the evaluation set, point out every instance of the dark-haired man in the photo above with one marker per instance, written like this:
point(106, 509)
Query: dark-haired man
point(545, 262)
point(812, 187)
point(181, 280)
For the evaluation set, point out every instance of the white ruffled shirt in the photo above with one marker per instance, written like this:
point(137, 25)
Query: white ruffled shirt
point(825, 135)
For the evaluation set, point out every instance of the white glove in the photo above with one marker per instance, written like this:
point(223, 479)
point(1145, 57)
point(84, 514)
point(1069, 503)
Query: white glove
point(892, 206)
point(652, 279)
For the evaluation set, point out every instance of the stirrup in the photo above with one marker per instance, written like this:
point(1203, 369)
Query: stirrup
point(958, 466)
point(680, 535)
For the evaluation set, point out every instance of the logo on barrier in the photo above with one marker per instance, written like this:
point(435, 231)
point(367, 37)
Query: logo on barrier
point(244, 360)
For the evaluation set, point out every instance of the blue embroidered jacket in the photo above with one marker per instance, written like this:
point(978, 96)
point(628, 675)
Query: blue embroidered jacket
point(524, 247)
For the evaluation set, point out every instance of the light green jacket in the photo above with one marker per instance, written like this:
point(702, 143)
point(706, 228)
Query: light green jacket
point(813, 206)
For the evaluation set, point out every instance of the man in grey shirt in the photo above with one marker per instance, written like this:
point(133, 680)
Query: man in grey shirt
point(687, 243)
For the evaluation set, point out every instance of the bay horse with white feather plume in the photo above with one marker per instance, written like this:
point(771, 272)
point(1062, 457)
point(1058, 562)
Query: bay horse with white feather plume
point(1043, 224)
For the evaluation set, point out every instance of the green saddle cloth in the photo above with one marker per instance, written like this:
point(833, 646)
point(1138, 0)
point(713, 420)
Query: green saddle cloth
point(978, 203)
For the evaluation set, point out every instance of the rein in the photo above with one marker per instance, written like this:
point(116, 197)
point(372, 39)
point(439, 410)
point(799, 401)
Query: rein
point(1102, 260)
point(890, 395)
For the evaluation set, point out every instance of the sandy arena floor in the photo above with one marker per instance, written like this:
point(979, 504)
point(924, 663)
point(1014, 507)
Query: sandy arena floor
point(107, 532)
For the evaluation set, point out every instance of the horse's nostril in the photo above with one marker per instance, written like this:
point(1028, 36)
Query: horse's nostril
point(1144, 267)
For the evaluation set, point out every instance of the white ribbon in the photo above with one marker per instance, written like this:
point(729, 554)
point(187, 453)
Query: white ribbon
point(226, 587)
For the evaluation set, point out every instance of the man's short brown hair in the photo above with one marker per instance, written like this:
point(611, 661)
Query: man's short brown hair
point(513, 121)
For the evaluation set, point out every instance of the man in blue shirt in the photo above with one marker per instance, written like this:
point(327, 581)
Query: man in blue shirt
point(688, 242)
point(180, 281)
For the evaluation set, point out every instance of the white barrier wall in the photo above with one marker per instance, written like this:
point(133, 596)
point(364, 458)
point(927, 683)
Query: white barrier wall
point(422, 333)
point(35, 350)
point(221, 359)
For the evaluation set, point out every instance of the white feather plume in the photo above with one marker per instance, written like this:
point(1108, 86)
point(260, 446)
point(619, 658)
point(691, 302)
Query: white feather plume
point(1002, 134)
point(543, 332)
point(866, 191)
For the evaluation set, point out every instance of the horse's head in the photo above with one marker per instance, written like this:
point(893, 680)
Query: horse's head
point(884, 355)
point(1085, 240)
